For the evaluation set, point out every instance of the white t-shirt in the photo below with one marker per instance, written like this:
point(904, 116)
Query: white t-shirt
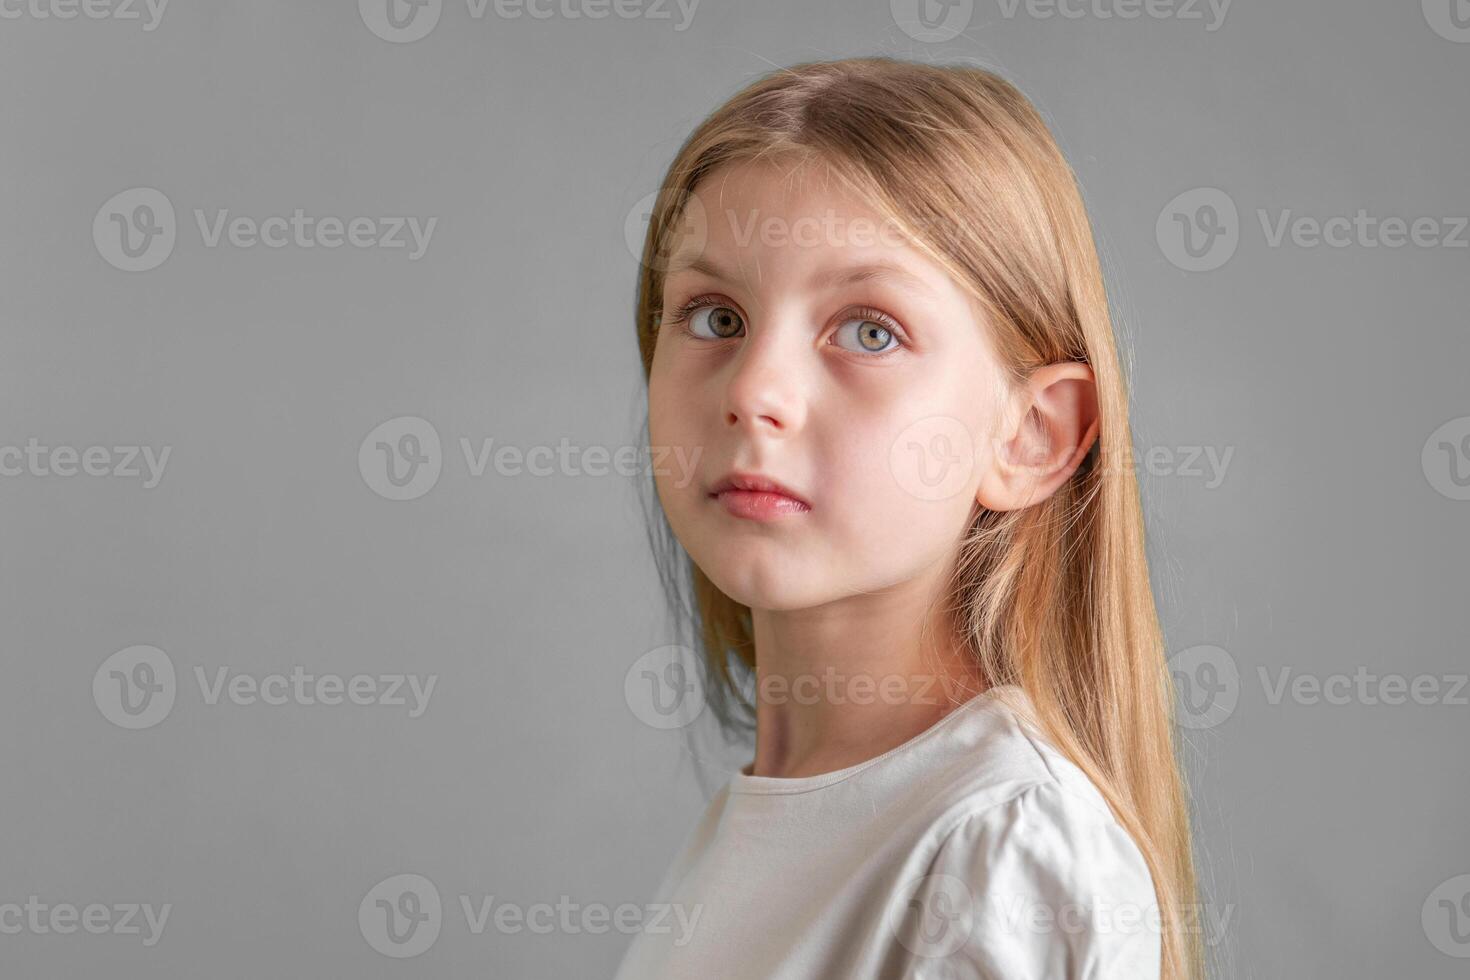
point(973, 850)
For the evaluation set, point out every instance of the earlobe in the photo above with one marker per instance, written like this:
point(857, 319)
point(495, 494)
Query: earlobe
point(1048, 430)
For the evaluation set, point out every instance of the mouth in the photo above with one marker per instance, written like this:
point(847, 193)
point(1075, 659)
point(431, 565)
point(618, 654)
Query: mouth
point(755, 497)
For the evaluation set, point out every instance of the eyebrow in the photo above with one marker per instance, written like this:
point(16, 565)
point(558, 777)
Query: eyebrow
point(851, 275)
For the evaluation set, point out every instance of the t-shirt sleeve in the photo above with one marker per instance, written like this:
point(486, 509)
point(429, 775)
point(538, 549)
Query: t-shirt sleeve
point(1047, 886)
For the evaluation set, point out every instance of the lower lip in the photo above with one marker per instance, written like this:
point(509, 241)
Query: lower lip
point(760, 505)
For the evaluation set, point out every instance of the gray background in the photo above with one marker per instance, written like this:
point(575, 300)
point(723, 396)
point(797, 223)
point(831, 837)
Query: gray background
point(1332, 543)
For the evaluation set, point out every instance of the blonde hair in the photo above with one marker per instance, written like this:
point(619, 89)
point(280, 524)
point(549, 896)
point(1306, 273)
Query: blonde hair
point(1055, 597)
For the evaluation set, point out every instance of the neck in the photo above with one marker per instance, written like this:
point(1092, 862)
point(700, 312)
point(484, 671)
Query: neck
point(841, 683)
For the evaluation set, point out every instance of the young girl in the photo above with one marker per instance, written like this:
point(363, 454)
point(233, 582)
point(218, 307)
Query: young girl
point(871, 308)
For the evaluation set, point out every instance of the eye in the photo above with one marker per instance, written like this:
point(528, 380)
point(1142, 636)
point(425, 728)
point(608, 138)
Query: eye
point(721, 322)
point(866, 335)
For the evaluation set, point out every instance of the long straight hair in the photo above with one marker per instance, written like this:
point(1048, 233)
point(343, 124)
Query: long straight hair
point(1054, 597)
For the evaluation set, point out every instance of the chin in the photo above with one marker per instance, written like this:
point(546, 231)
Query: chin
point(772, 582)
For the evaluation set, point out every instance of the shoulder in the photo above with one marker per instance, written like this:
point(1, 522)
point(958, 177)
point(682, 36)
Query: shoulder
point(997, 755)
point(1038, 879)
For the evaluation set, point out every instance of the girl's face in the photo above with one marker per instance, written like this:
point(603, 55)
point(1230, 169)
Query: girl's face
point(806, 343)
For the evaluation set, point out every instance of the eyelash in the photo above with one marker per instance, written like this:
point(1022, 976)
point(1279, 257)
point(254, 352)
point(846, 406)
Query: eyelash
point(680, 318)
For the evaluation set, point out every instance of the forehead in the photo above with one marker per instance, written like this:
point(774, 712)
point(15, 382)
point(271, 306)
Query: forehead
point(780, 185)
point(772, 219)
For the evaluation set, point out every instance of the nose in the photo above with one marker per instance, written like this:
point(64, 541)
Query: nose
point(764, 392)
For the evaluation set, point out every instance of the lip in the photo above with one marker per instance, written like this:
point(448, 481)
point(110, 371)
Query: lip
point(757, 497)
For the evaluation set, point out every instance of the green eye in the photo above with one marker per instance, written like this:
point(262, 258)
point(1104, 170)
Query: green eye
point(721, 322)
point(869, 336)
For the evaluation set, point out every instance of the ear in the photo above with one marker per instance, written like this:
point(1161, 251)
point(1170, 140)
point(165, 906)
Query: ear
point(1041, 439)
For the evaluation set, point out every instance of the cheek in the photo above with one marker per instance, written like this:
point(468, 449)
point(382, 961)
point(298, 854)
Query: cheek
point(899, 512)
point(658, 409)
point(903, 473)
point(676, 443)
point(668, 409)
